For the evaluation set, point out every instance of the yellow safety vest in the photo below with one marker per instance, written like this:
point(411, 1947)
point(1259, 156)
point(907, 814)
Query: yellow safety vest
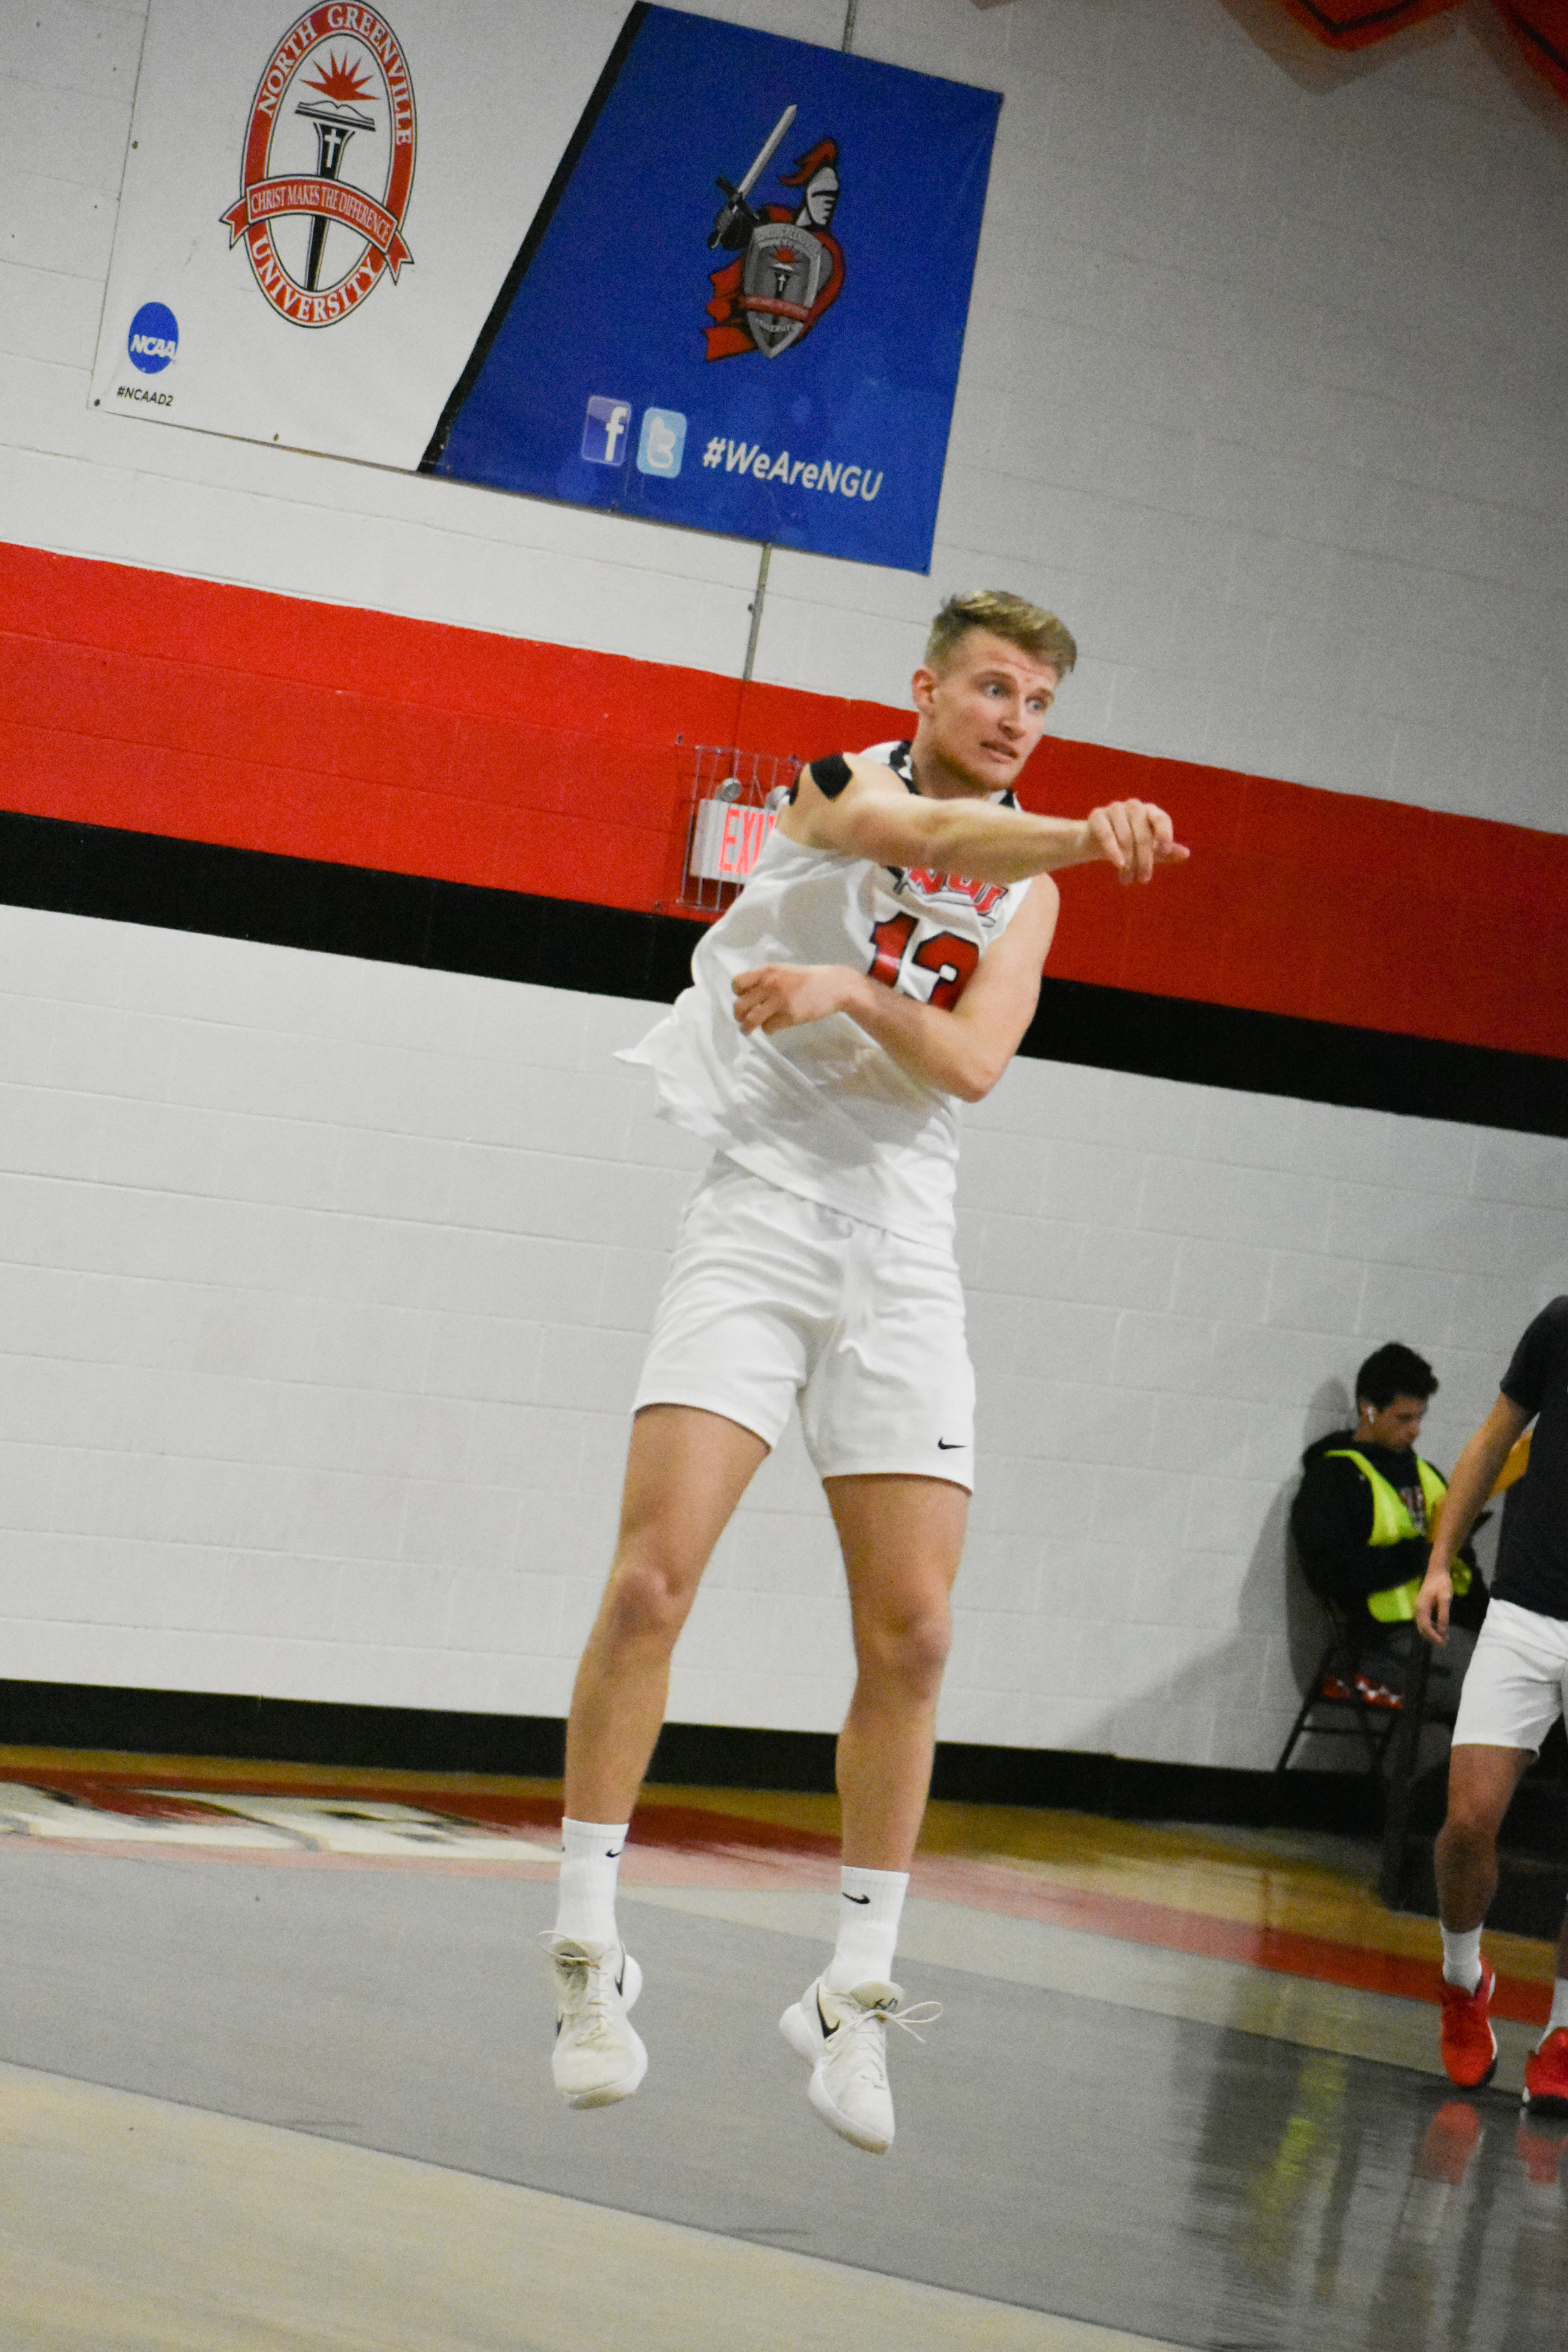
point(1391, 1524)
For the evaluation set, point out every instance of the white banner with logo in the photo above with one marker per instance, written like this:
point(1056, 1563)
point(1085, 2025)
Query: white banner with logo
point(612, 253)
point(319, 208)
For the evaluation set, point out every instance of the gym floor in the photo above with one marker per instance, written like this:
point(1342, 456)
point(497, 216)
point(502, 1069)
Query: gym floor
point(275, 2074)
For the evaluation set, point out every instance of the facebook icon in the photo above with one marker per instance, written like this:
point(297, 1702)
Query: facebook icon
point(604, 433)
point(662, 442)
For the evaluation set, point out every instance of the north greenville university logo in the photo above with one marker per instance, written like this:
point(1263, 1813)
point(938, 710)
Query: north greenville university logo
point(320, 230)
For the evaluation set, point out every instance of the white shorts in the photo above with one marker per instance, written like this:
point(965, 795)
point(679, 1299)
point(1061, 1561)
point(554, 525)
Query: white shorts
point(1517, 1685)
point(771, 1297)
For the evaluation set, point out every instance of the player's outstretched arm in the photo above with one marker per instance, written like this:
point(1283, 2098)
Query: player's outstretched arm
point(874, 816)
point(1475, 1475)
point(962, 1049)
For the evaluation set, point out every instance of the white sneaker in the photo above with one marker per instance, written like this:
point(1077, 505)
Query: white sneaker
point(598, 2056)
point(842, 2037)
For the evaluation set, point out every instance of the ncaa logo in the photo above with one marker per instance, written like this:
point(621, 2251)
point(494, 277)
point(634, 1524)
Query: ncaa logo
point(328, 165)
point(154, 338)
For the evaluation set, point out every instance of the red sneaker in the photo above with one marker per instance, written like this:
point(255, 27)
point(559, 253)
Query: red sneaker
point(1546, 2076)
point(1370, 1694)
point(1468, 2043)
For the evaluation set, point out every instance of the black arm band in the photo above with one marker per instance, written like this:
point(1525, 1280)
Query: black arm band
point(830, 775)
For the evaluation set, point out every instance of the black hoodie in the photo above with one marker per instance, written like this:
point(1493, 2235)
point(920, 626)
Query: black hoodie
point(1332, 1520)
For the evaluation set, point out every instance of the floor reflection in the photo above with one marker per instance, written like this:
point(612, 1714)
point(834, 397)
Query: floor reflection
point(1186, 2086)
point(1360, 2210)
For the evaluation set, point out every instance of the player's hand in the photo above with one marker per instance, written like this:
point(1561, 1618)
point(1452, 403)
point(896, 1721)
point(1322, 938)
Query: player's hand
point(787, 995)
point(1432, 1605)
point(1135, 837)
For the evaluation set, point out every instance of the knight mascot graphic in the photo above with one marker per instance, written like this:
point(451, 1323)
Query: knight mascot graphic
point(788, 270)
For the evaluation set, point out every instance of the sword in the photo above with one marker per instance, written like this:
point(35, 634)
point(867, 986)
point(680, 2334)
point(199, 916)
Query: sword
point(737, 197)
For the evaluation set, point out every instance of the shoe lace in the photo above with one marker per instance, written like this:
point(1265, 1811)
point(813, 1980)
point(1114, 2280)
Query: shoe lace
point(861, 2030)
point(919, 2013)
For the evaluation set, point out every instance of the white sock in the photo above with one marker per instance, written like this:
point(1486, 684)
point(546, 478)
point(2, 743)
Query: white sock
point(869, 1902)
point(1462, 1957)
point(1559, 2008)
point(590, 1865)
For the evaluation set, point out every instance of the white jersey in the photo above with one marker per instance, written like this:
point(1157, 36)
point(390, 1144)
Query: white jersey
point(822, 1109)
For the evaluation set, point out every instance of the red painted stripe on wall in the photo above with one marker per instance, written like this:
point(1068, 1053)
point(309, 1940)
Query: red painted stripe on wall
point(157, 704)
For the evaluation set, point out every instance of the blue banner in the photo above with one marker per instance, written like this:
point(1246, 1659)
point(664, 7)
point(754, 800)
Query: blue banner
point(741, 305)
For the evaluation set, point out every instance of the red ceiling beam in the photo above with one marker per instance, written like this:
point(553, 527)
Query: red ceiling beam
point(1357, 24)
point(1540, 26)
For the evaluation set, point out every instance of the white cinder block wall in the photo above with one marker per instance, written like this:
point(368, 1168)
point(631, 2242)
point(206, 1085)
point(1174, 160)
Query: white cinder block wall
point(325, 1285)
point(317, 1342)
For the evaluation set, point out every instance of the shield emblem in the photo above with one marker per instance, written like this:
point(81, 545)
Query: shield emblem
point(785, 271)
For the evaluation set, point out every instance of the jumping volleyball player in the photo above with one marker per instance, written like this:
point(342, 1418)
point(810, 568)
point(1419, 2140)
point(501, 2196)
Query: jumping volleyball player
point(855, 989)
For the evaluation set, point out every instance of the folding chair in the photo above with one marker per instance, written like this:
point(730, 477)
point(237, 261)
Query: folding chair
point(1340, 1663)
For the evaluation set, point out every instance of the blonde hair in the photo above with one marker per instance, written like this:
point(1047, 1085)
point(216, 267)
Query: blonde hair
point(1039, 634)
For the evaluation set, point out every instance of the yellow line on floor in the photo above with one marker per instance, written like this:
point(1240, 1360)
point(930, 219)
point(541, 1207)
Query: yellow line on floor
point(131, 2225)
point(1260, 1877)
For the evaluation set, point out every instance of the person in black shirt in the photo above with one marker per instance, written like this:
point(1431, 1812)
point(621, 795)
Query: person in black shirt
point(1361, 1517)
point(1516, 1687)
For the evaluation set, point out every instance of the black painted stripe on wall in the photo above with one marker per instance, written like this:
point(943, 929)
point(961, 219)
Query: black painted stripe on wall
point(247, 894)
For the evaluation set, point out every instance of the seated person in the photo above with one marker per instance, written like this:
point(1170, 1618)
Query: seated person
point(1363, 1519)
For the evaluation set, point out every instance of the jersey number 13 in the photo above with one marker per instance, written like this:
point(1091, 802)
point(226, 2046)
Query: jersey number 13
point(950, 958)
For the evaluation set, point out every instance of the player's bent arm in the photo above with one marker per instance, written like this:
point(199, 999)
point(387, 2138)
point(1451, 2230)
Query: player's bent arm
point(964, 1049)
point(1475, 1475)
point(876, 817)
